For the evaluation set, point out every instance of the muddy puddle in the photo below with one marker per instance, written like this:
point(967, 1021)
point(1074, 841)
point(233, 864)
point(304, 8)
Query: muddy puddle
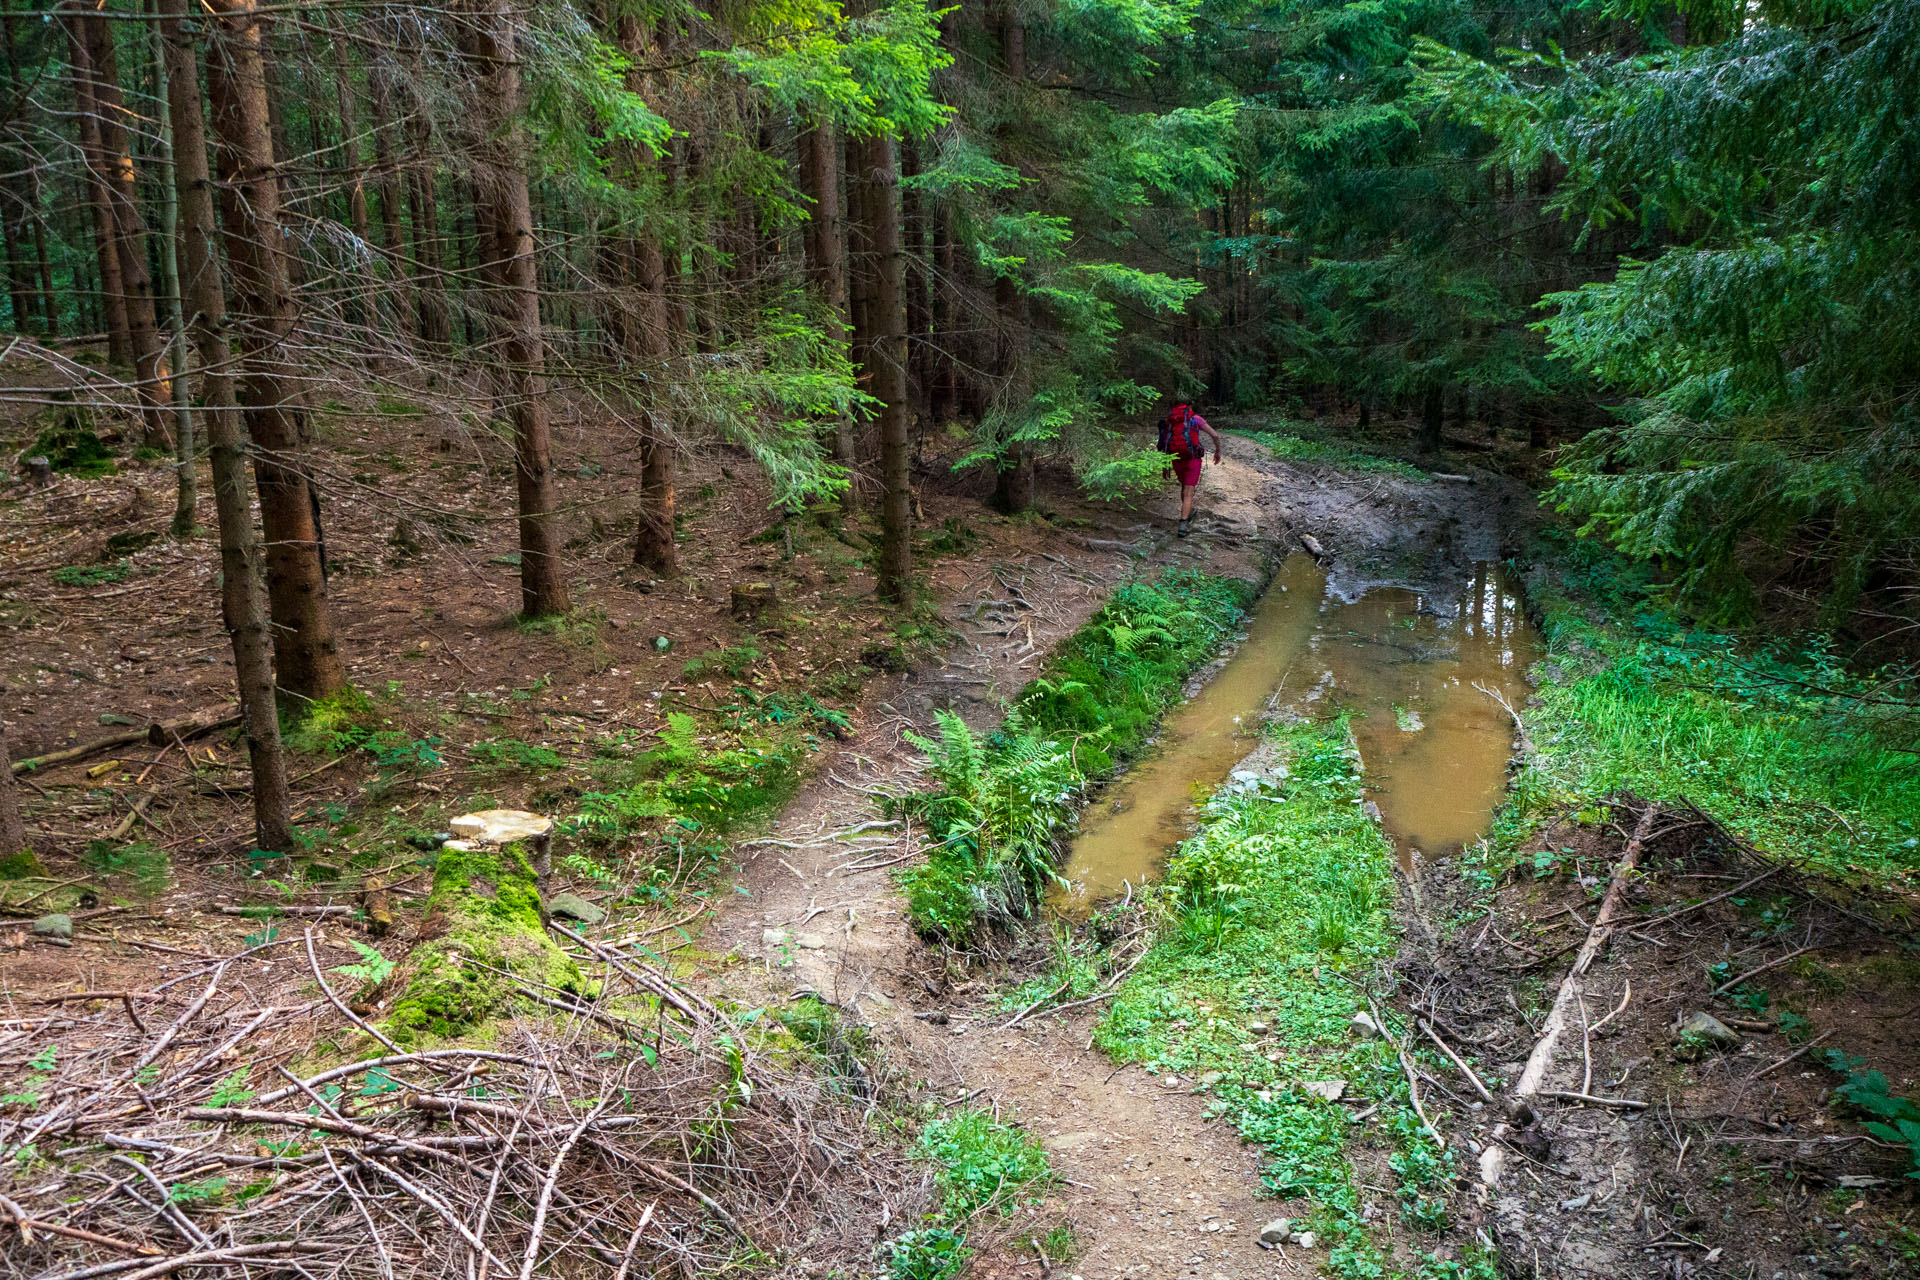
point(1409, 667)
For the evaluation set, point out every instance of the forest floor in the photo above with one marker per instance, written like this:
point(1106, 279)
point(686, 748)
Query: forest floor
point(1745, 1162)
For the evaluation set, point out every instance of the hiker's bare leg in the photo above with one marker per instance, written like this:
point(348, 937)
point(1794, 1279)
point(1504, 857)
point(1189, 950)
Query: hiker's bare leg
point(1186, 500)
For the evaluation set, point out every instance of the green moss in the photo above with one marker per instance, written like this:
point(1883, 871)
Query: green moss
point(21, 866)
point(68, 442)
point(327, 726)
point(484, 918)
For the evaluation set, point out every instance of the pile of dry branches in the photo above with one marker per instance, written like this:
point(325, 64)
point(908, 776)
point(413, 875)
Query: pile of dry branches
point(140, 1145)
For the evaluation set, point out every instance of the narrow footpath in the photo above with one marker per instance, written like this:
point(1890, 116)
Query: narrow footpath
point(1151, 1187)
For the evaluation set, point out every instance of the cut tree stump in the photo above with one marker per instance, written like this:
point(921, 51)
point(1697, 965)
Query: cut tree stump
point(752, 601)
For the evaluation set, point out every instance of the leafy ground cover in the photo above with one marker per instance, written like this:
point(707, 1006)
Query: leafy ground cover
point(1005, 801)
point(1784, 745)
point(981, 1166)
point(1278, 914)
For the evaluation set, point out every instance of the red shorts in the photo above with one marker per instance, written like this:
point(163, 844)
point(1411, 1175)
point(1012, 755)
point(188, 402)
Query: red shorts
point(1188, 469)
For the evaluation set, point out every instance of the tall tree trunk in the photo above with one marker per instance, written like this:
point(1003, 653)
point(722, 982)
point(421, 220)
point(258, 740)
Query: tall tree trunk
point(1014, 480)
point(887, 357)
point(13, 832)
point(19, 280)
point(436, 322)
point(913, 224)
point(649, 333)
point(242, 602)
point(97, 62)
point(827, 264)
point(945, 398)
point(306, 655)
point(387, 184)
point(1432, 415)
point(354, 172)
point(187, 484)
point(113, 293)
point(49, 309)
point(17, 217)
point(501, 177)
point(653, 544)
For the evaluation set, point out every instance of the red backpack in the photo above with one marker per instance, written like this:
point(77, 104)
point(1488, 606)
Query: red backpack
point(1180, 433)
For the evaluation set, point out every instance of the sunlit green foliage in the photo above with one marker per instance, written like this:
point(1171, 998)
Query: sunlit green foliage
point(1766, 336)
point(1276, 913)
point(1785, 745)
point(1005, 802)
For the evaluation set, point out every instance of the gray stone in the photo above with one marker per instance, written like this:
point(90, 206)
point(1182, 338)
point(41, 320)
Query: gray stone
point(1274, 1232)
point(809, 941)
point(1211, 1079)
point(1331, 1090)
point(775, 938)
point(1256, 1028)
point(1704, 1026)
point(1306, 1239)
point(54, 926)
point(1364, 1026)
point(571, 906)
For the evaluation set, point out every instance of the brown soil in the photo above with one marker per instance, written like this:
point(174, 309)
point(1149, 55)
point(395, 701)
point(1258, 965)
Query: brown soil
point(1743, 1162)
point(1151, 1188)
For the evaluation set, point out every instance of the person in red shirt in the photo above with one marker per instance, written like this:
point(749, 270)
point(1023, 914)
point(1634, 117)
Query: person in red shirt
point(1183, 437)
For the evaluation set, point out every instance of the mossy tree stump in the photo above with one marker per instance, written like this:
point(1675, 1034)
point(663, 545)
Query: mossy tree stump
point(484, 943)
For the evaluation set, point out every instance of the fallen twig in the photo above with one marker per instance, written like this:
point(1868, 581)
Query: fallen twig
point(1493, 1156)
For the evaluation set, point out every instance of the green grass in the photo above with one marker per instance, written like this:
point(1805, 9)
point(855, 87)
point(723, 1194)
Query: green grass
point(1782, 746)
point(1004, 803)
point(1279, 912)
point(1293, 447)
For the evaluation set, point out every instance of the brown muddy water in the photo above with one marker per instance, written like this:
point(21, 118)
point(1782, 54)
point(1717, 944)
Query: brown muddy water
point(1409, 667)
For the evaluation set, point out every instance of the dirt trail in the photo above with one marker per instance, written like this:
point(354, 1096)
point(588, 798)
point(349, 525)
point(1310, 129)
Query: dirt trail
point(1152, 1188)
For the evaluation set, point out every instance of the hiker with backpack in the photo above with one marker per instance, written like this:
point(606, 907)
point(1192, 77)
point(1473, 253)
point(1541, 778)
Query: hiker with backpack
point(1181, 438)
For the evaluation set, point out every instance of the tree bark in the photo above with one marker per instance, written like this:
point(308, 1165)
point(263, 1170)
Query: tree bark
point(242, 601)
point(650, 334)
point(501, 176)
point(387, 184)
point(187, 484)
point(96, 61)
point(944, 399)
point(359, 304)
point(887, 357)
point(827, 265)
point(113, 293)
point(1432, 415)
point(306, 654)
point(435, 320)
point(13, 832)
point(913, 224)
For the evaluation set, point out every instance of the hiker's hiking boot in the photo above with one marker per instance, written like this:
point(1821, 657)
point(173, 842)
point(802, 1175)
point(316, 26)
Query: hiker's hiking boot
point(1182, 531)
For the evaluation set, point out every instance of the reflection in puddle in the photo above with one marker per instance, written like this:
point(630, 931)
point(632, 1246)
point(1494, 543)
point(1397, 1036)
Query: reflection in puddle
point(1435, 747)
point(1403, 664)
